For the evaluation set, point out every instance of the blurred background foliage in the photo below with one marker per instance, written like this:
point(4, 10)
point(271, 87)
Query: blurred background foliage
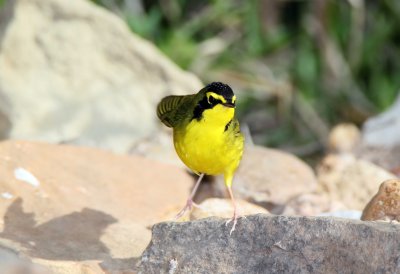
point(299, 67)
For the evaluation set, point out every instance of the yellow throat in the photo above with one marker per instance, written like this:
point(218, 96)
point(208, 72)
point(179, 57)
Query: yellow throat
point(212, 144)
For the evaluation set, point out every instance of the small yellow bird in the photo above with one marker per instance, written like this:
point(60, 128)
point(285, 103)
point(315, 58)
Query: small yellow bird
point(207, 135)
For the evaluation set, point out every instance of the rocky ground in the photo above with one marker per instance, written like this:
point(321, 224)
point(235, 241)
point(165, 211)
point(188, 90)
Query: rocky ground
point(273, 244)
point(95, 184)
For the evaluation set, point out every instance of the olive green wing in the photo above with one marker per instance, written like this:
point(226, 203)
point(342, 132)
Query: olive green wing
point(170, 106)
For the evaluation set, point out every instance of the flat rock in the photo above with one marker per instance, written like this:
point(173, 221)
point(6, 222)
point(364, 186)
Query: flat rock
point(63, 203)
point(271, 178)
point(73, 72)
point(385, 205)
point(273, 244)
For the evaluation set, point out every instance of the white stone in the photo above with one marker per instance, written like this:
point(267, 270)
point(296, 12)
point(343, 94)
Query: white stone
point(24, 175)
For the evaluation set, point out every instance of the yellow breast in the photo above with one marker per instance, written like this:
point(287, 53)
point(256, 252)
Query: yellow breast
point(206, 147)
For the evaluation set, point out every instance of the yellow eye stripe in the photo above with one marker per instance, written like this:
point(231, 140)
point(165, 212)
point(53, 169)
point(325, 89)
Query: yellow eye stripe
point(215, 96)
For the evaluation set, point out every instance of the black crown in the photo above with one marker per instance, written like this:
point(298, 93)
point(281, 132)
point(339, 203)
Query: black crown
point(221, 89)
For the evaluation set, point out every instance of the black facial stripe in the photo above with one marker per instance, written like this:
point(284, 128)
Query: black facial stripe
point(203, 105)
point(227, 125)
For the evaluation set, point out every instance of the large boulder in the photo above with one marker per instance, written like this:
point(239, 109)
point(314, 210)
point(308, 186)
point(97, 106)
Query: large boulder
point(71, 71)
point(69, 207)
point(273, 244)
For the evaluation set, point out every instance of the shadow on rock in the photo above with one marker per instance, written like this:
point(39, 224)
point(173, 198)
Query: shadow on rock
point(75, 236)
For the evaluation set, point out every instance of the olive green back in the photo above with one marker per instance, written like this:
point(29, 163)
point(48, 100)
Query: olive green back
point(175, 110)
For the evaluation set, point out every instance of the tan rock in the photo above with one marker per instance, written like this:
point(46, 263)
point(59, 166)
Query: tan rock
point(73, 72)
point(70, 267)
point(271, 178)
point(385, 205)
point(349, 180)
point(223, 208)
point(344, 138)
point(83, 204)
point(312, 204)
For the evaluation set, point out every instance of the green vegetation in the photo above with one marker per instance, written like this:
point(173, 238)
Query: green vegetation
point(302, 66)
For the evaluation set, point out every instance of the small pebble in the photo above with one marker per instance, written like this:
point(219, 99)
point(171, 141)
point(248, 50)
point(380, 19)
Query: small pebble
point(25, 176)
point(7, 195)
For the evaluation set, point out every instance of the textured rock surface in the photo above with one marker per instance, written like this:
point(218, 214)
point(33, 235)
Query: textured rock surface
point(273, 244)
point(271, 178)
point(350, 180)
point(72, 72)
point(86, 205)
point(385, 205)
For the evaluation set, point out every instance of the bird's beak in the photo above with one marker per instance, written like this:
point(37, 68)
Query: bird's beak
point(229, 104)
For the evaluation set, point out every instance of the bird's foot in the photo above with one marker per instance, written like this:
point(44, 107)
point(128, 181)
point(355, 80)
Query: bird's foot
point(234, 219)
point(189, 205)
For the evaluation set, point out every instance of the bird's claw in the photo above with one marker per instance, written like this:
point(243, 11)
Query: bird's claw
point(189, 205)
point(233, 226)
point(234, 219)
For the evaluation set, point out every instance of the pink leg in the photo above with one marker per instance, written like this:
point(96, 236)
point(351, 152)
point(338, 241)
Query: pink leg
point(235, 214)
point(189, 202)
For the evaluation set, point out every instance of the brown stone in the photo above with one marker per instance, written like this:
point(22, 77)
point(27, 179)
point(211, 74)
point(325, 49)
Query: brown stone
point(385, 205)
point(86, 204)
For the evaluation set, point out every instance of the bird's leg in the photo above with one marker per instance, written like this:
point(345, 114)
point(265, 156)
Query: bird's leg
point(189, 202)
point(235, 213)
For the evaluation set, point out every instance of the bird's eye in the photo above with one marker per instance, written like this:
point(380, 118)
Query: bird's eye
point(212, 100)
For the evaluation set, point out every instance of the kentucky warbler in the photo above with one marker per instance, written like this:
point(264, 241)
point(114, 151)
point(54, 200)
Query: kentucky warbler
point(206, 133)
